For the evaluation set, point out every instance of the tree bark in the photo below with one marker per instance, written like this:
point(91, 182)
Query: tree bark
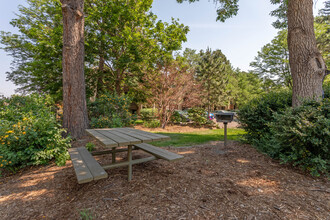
point(74, 92)
point(306, 62)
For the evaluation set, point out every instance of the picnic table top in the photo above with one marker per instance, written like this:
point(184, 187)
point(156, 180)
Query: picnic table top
point(116, 137)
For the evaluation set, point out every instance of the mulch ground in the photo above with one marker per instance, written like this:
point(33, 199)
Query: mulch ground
point(211, 182)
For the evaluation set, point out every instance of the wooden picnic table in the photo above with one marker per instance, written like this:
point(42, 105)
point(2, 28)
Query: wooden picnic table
point(115, 139)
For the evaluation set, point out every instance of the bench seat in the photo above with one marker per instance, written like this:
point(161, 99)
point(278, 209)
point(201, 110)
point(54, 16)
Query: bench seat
point(86, 167)
point(159, 152)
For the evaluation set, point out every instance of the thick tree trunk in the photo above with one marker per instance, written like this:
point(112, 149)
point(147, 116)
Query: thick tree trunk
point(74, 92)
point(306, 62)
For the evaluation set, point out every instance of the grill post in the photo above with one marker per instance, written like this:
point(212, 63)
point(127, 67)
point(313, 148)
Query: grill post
point(225, 127)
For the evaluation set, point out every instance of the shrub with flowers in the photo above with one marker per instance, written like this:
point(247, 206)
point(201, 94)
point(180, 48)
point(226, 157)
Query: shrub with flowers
point(29, 133)
point(110, 111)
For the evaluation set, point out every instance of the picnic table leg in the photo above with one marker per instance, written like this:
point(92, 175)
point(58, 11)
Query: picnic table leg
point(113, 155)
point(129, 155)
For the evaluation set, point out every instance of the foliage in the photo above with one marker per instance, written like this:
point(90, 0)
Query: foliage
point(322, 32)
point(256, 115)
point(214, 71)
point(227, 8)
point(148, 114)
point(171, 85)
point(177, 118)
point(138, 122)
point(280, 13)
point(122, 40)
point(295, 135)
point(29, 133)
point(200, 137)
point(110, 111)
point(303, 134)
point(90, 146)
point(154, 123)
point(272, 62)
point(248, 86)
point(326, 89)
point(198, 116)
point(37, 50)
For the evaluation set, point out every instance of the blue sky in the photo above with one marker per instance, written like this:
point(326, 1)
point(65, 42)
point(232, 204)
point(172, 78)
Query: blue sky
point(239, 38)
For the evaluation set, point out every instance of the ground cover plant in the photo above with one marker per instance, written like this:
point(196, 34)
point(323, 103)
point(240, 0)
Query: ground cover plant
point(198, 137)
point(29, 132)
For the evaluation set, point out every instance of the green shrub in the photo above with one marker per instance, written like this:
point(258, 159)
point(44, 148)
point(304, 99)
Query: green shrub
point(139, 122)
point(29, 133)
point(152, 124)
point(256, 115)
point(147, 114)
point(176, 118)
point(90, 146)
point(197, 116)
point(303, 134)
point(110, 111)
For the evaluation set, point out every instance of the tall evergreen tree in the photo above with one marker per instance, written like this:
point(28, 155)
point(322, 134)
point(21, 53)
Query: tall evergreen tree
point(214, 72)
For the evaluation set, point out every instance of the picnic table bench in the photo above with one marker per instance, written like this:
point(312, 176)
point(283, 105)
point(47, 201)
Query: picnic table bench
point(88, 169)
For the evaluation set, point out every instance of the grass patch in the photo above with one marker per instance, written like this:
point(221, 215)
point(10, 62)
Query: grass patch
point(200, 137)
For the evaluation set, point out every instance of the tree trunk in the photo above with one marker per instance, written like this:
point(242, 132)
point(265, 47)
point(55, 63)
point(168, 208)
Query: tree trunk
point(74, 92)
point(306, 62)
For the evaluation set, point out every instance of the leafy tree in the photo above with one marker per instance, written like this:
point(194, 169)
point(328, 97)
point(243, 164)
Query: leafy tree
point(307, 66)
point(248, 86)
point(172, 85)
point(37, 50)
point(272, 62)
point(125, 40)
point(322, 32)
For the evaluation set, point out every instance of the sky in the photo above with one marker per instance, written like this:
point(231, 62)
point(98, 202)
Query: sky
point(239, 38)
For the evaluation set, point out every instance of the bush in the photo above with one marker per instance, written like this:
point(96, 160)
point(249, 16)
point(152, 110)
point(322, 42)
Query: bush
point(304, 136)
point(197, 116)
point(256, 115)
point(110, 111)
point(299, 136)
point(29, 133)
point(139, 122)
point(147, 114)
point(152, 124)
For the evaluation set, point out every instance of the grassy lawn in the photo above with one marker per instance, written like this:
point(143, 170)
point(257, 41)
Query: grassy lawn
point(195, 138)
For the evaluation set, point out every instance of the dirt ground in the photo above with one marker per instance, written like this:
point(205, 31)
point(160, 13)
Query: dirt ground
point(211, 182)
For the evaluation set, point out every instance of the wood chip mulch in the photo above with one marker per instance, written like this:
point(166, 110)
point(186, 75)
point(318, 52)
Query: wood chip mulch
point(211, 182)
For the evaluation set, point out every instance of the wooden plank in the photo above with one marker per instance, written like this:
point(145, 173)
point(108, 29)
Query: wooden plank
point(158, 136)
point(148, 136)
point(135, 135)
point(82, 172)
point(132, 140)
point(94, 167)
point(121, 141)
point(158, 152)
point(101, 138)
